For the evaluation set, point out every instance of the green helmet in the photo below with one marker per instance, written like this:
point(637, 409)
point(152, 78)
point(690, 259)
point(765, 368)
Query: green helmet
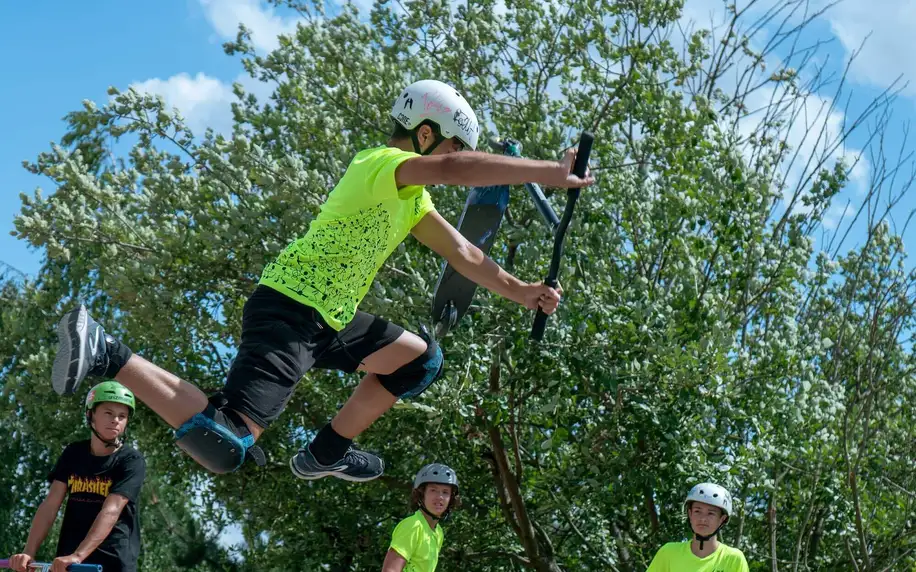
point(110, 391)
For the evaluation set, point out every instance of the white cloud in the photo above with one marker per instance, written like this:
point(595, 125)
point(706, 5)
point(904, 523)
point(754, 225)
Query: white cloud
point(886, 53)
point(814, 133)
point(704, 14)
point(814, 124)
point(886, 27)
point(263, 21)
point(204, 101)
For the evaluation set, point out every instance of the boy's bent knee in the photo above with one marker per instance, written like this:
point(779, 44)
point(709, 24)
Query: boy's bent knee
point(413, 378)
point(218, 440)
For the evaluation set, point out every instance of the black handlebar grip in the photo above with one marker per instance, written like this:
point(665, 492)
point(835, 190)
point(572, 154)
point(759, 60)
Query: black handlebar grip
point(540, 324)
point(580, 166)
point(583, 153)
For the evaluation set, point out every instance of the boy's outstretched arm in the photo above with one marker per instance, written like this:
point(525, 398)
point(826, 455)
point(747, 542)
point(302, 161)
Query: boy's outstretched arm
point(41, 524)
point(476, 169)
point(441, 237)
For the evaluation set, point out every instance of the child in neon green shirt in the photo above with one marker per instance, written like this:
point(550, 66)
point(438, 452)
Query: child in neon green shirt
point(708, 507)
point(417, 540)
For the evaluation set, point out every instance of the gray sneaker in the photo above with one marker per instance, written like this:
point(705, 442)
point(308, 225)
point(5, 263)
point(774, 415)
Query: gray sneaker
point(81, 351)
point(357, 466)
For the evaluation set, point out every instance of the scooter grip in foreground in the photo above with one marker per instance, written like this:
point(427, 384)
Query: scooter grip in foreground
point(5, 564)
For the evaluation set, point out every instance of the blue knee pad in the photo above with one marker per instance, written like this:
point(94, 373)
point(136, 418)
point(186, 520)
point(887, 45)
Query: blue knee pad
point(412, 379)
point(211, 439)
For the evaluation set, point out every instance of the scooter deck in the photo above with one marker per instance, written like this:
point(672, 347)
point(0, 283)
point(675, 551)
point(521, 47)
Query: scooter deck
point(479, 223)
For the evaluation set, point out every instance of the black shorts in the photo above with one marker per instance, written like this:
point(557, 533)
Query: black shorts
point(282, 339)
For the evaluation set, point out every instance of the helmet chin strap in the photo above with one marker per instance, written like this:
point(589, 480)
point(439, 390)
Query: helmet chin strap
point(441, 518)
point(702, 538)
point(109, 444)
point(438, 139)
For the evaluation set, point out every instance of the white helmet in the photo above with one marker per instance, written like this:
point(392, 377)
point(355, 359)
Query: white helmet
point(711, 494)
point(440, 103)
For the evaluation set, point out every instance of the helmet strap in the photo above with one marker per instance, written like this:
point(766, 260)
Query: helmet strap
point(428, 512)
point(442, 517)
point(702, 539)
point(437, 139)
point(109, 444)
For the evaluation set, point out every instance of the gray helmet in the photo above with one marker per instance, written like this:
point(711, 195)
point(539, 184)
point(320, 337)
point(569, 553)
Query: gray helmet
point(436, 473)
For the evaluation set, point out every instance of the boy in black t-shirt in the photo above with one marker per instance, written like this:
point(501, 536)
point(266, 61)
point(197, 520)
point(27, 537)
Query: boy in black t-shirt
point(101, 479)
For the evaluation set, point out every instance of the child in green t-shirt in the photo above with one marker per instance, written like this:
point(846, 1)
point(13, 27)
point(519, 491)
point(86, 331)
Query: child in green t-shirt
point(708, 508)
point(417, 540)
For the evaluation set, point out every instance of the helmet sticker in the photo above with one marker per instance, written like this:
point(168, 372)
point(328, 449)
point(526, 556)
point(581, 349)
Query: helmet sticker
point(465, 122)
point(432, 102)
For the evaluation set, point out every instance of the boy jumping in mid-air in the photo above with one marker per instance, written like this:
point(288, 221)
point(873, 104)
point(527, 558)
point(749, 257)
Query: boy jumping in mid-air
point(304, 315)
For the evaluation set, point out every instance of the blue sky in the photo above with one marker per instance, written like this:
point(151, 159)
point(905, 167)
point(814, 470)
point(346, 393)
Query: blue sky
point(69, 51)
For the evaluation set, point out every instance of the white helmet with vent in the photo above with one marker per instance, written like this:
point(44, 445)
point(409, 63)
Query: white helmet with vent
point(439, 103)
point(711, 494)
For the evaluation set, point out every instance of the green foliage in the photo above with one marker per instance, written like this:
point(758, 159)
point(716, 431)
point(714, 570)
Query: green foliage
point(702, 335)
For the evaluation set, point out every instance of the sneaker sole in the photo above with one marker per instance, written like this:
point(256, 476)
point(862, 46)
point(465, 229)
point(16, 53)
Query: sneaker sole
point(323, 474)
point(70, 364)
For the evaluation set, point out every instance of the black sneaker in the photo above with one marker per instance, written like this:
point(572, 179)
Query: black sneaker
point(81, 351)
point(357, 466)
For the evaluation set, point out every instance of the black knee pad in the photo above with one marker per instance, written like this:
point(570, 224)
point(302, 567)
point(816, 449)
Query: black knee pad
point(217, 440)
point(412, 379)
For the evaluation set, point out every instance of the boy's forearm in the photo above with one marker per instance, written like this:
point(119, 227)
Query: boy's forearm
point(473, 264)
point(476, 169)
point(101, 528)
point(41, 525)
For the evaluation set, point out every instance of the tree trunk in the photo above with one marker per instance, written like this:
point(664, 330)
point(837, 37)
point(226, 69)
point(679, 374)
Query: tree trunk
point(539, 551)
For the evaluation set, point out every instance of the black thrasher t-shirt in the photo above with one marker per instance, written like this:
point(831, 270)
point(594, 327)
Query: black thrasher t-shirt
point(90, 479)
